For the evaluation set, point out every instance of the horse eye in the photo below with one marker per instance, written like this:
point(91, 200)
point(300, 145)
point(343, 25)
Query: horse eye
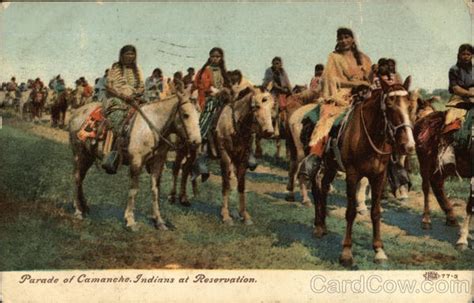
point(185, 116)
point(265, 99)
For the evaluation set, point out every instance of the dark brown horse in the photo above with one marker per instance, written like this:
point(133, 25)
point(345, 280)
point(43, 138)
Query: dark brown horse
point(377, 127)
point(59, 108)
point(38, 99)
point(434, 172)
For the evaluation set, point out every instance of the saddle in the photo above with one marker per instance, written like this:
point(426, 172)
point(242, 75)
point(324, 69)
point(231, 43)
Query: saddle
point(94, 128)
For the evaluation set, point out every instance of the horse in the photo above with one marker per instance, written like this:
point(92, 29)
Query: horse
point(279, 118)
point(234, 139)
point(38, 98)
point(428, 134)
point(59, 108)
point(189, 155)
point(148, 146)
point(376, 127)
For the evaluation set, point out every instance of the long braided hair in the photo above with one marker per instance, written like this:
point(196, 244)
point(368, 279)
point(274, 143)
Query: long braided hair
point(120, 63)
point(221, 66)
point(346, 31)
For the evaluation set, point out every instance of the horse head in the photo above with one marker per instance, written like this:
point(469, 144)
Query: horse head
point(187, 120)
point(396, 105)
point(262, 104)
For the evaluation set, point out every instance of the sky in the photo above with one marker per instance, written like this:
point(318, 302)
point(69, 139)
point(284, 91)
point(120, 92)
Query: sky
point(83, 39)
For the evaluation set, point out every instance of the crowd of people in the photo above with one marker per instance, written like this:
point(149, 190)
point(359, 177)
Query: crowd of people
point(347, 69)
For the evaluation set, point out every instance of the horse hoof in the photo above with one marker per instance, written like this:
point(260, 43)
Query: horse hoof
point(172, 199)
point(461, 246)
point(161, 226)
point(380, 257)
point(290, 197)
point(363, 212)
point(133, 228)
point(307, 203)
point(426, 226)
point(346, 261)
point(248, 222)
point(319, 232)
point(451, 222)
point(228, 222)
point(79, 216)
point(185, 203)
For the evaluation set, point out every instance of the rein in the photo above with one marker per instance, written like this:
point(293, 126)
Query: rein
point(167, 125)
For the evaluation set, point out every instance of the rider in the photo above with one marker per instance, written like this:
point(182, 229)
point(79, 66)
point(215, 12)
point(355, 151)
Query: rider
point(346, 68)
point(281, 86)
point(99, 88)
point(124, 85)
point(461, 86)
point(154, 85)
point(189, 78)
point(11, 88)
point(318, 72)
point(211, 81)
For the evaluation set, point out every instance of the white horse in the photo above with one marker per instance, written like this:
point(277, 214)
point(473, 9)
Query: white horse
point(148, 146)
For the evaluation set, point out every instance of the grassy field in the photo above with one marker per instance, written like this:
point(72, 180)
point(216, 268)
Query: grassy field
point(38, 231)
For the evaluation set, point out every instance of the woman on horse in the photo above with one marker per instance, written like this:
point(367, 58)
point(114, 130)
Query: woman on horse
point(461, 86)
point(210, 81)
point(124, 85)
point(346, 68)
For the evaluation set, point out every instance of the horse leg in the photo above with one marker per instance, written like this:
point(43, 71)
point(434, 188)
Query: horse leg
point(377, 185)
point(135, 169)
point(82, 163)
point(155, 189)
point(175, 171)
point(361, 196)
point(437, 185)
point(225, 172)
point(241, 170)
point(320, 193)
point(290, 186)
point(187, 167)
point(425, 185)
point(352, 179)
point(462, 242)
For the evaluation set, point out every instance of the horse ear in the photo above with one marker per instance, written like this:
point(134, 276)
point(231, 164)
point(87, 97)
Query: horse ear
point(407, 83)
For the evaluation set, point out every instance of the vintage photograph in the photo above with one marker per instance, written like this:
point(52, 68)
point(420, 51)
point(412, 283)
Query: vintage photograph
point(327, 136)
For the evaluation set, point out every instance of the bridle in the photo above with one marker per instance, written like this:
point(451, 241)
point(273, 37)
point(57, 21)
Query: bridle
point(390, 129)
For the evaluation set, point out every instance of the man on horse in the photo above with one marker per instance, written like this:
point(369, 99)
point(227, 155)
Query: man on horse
point(347, 68)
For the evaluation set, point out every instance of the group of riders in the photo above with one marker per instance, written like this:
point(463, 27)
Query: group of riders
point(349, 74)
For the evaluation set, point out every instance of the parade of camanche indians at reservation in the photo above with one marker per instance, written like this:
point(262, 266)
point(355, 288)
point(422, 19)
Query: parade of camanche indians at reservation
point(326, 135)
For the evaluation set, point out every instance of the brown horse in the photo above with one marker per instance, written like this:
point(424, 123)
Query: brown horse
point(234, 138)
point(188, 155)
point(377, 126)
point(38, 99)
point(59, 108)
point(434, 172)
point(148, 146)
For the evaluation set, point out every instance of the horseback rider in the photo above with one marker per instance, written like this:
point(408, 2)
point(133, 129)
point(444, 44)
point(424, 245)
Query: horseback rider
point(124, 86)
point(211, 82)
point(99, 88)
point(154, 86)
point(346, 68)
point(318, 72)
point(461, 86)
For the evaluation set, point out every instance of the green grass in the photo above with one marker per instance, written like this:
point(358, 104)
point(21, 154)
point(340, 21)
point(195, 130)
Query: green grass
point(38, 231)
